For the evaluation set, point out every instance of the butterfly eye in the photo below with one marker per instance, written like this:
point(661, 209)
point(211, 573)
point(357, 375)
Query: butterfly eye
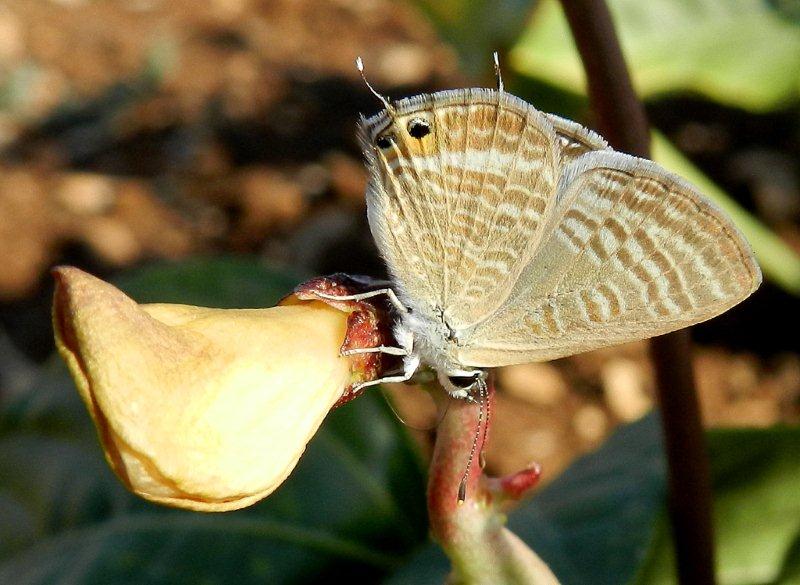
point(384, 141)
point(419, 128)
point(467, 382)
point(464, 382)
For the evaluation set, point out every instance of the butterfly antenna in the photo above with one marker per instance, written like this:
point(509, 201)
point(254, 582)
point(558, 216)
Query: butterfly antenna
point(386, 104)
point(497, 72)
point(481, 458)
point(462, 487)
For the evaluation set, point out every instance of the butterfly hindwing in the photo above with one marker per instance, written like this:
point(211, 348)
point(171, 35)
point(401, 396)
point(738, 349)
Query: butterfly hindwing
point(574, 140)
point(634, 251)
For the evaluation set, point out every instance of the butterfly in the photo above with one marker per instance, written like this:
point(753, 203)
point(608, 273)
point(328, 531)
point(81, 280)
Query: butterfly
point(514, 236)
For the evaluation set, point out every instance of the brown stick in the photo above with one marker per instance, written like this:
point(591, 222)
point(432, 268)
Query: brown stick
point(621, 119)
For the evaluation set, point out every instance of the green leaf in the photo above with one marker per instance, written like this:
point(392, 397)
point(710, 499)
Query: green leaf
point(756, 510)
point(428, 566)
point(791, 569)
point(594, 524)
point(476, 28)
point(354, 506)
point(741, 53)
point(226, 282)
point(777, 260)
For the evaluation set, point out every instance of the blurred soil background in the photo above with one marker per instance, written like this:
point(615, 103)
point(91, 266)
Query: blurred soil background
point(142, 130)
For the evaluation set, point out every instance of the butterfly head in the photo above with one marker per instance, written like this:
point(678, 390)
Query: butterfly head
point(400, 132)
point(385, 129)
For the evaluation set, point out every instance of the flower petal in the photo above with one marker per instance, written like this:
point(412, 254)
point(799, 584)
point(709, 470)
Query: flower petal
point(200, 408)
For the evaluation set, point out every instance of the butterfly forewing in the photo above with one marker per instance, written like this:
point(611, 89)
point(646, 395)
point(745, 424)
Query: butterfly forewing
point(458, 213)
point(632, 252)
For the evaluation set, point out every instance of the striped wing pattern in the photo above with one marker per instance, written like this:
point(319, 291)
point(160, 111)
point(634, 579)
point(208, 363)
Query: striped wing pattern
point(574, 140)
point(634, 252)
point(533, 239)
point(459, 211)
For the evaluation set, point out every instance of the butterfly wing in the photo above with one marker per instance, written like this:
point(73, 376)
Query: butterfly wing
point(457, 212)
point(633, 251)
point(574, 140)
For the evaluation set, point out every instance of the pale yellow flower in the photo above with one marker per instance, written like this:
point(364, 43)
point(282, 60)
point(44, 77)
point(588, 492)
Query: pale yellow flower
point(207, 409)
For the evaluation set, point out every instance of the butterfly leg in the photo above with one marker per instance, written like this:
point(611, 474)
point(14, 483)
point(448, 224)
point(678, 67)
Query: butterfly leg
point(378, 349)
point(367, 295)
point(410, 365)
point(405, 338)
point(385, 380)
point(406, 349)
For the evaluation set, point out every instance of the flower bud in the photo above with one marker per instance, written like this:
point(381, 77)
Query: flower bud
point(206, 409)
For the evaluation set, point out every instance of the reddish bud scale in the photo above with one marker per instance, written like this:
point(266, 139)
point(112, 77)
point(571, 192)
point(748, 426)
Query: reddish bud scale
point(518, 484)
point(368, 325)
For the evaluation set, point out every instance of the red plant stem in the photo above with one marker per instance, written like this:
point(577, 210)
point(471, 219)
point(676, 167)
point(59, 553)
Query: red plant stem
point(472, 534)
point(454, 440)
point(621, 119)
